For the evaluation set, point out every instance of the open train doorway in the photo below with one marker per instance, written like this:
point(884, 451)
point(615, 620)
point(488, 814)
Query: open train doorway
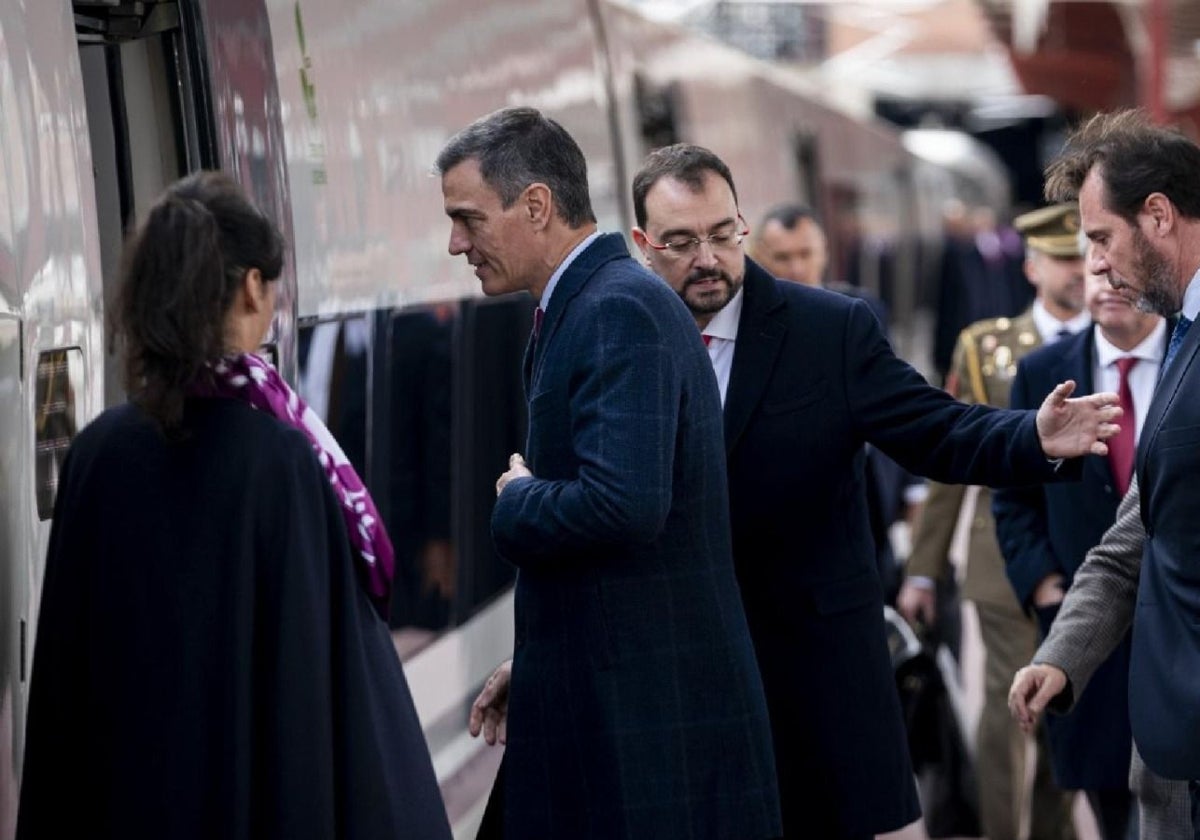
point(146, 124)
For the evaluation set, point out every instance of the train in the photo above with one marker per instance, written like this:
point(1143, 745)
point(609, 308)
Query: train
point(330, 113)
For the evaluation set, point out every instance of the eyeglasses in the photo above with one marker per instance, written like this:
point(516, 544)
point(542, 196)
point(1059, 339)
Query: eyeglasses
point(683, 247)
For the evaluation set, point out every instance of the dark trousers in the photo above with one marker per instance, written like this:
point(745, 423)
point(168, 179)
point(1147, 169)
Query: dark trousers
point(1115, 813)
point(1194, 790)
point(492, 826)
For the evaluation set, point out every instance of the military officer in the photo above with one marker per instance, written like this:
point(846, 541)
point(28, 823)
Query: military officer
point(985, 361)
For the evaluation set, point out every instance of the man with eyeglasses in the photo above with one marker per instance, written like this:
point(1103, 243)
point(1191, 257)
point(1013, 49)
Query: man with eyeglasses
point(806, 378)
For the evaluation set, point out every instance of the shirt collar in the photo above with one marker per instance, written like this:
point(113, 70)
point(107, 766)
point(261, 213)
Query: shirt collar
point(1048, 326)
point(1149, 349)
point(1191, 298)
point(725, 323)
point(544, 303)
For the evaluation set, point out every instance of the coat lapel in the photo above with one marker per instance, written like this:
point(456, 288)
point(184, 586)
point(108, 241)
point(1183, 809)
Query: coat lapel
point(761, 331)
point(1164, 394)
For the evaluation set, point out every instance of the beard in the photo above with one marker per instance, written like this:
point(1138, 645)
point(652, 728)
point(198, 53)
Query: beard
point(708, 301)
point(1160, 293)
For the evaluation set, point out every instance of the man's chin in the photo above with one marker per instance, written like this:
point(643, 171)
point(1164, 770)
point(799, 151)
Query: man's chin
point(705, 303)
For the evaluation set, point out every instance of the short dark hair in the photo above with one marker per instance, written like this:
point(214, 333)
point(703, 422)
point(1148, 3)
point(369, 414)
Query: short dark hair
point(520, 146)
point(683, 162)
point(1136, 158)
point(789, 214)
point(180, 273)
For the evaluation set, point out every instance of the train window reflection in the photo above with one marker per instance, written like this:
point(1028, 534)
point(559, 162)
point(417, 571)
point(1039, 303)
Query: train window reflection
point(334, 375)
point(413, 461)
point(427, 402)
point(56, 418)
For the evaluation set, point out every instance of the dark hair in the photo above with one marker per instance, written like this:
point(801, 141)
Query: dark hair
point(178, 280)
point(789, 214)
point(1135, 158)
point(683, 162)
point(517, 147)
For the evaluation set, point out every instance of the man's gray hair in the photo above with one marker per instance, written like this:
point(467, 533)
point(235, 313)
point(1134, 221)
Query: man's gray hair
point(516, 147)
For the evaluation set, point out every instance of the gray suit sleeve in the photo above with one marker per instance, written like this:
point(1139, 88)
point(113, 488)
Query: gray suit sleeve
point(1098, 609)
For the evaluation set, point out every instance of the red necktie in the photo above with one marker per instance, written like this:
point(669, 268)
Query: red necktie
point(707, 339)
point(1121, 447)
point(538, 315)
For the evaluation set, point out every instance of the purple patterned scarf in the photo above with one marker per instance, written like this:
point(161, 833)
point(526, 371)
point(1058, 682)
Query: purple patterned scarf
point(249, 378)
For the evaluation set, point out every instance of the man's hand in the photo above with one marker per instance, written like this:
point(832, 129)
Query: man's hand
point(917, 603)
point(489, 712)
point(1069, 428)
point(516, 469)
point(1033, 687)
point(1050, 591)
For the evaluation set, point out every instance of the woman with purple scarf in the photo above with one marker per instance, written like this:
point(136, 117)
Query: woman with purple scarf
point(210, 659)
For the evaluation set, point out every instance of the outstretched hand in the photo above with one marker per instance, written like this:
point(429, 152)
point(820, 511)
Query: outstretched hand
point(1069, 428)
point(489, 712)
point(1033, 687)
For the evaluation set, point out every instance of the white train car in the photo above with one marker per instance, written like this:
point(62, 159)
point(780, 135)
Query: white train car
point(331, 112)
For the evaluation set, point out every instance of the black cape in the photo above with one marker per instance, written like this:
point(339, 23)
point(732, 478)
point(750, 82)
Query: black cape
point(207, 664)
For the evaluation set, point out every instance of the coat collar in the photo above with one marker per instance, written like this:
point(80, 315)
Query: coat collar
point(604, 249)
point(761, 331)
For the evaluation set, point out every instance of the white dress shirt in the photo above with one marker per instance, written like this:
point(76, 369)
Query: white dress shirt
point(1050, 328)
point(722, 331)
point(1142, 377)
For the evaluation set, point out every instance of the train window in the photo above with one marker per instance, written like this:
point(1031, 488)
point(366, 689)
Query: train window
point(56, 418)
point(804, 144)
point(334, 376)
point(412, 462)
point(448, 408)
point(657, 112)
point(427, 402)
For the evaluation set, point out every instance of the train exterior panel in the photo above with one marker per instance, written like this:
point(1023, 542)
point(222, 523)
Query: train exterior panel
point(369, 93)
point(50, 328)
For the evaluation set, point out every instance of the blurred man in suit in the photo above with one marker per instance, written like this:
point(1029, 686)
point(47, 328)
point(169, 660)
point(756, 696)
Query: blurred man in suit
point(791, 245)
point(1045, 533)
point(807, 378)
point(985, 362)
point(1138, 187)
point(635, 708)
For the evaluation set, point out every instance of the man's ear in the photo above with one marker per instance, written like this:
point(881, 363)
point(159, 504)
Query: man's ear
point(1160, 211)
point(642, 241)
point(538, 204)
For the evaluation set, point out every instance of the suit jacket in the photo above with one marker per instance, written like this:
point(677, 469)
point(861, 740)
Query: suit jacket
point(635, 708)
point(1164, 674)
point(972, 288)
point(985, 363)
point(1050, 529)
point(813, 379)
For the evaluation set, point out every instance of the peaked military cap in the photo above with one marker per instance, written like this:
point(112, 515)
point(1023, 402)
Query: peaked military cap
point(1052, 230)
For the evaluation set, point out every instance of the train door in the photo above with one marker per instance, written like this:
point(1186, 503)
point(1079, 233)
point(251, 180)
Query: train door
point(143, 122)
point(174, 86)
